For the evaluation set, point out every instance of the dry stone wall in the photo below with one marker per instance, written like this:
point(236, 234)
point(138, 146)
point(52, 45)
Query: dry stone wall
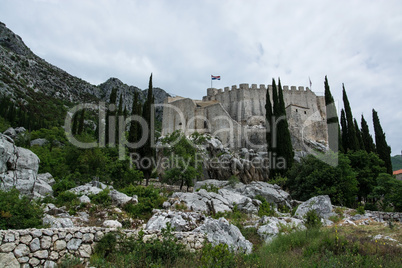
point(46, 247)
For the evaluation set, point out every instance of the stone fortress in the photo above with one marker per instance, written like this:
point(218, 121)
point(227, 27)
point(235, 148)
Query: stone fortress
point(237, 116)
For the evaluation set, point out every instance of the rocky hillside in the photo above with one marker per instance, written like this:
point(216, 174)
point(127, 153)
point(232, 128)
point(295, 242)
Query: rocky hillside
point(32, 82)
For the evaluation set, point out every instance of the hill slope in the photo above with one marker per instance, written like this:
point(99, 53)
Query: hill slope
point(44, 89)
point(396, 162)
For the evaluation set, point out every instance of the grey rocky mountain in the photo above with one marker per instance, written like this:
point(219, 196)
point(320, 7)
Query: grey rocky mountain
point(29, 79)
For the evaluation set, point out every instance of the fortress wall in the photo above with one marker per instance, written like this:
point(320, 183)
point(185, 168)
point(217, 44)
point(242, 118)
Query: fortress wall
point(223, 126)
point(175, 119)
point(239, 111)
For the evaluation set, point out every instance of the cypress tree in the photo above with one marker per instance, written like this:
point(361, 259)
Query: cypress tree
point(334, 133)
point(358, 135)
point(285, 148)
point(275, 101)
point(344, 131)
point(134, 131)
point(383, 150)
point(268, 116)
point(366, 136)
point(81, 122)
point(147, 150)
point(352, 142)
point(120, 110)
point(110, 113)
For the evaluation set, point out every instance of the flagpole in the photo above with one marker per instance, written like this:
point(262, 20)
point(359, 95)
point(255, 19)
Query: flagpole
point(211, 80)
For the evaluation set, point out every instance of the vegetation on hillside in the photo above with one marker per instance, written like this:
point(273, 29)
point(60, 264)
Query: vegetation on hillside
point(396, 162)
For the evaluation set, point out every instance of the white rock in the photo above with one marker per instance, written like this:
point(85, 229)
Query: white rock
point(57, 222)
point(74, 244)
point(60, 245)
point(321, 204)
point(222, 232)
point(85, 251)
point(112, 224)
point(8, 260)
point(45, 242)
point(41, 254)
point(7, 247)
point(272, 226)
point(180, 221)
point(120, 199)
point(85, 199)
point(35, 244)
point(21, 250)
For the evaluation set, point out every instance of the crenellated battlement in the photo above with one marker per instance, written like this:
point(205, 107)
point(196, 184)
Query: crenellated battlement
point(215, 91)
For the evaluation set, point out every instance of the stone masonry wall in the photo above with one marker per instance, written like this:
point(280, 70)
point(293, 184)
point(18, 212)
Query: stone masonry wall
point(45, 247)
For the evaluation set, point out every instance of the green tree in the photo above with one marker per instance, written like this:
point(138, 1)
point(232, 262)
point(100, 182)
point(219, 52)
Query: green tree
point(332, 175)
point(135, 127)
point(383, 150)
point(352, 141)
point(81, 122)
point(111, 114)
point(358, 135)
point(18, 213)
point(368, 142)
point(388, 191)
point(334, 133)
point(367, 167)
point(344, 133)
point(148, 115)
point(183, 154)
point(284, 144)
point(269, 121)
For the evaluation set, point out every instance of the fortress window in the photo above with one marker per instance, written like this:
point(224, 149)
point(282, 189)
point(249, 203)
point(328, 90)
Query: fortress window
point(296, 110)
point(205, 124)
point(180, 124)
point(305, 112)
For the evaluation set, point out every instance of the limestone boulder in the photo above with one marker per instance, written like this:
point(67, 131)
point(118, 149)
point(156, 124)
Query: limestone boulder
point(11, 133)
point(120, 199)
point(19, 169)
point(89, 188)
point(179, 220)
point(222, 232)
point(56, 222)
point(321, 204)
point(202, 201)
point(272, 193)
point(112, 224)
point(270, 227)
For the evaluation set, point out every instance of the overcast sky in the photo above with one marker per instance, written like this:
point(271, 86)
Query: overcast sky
point(183, 43)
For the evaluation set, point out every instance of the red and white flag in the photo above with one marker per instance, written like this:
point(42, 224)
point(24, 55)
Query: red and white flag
point(215, 77)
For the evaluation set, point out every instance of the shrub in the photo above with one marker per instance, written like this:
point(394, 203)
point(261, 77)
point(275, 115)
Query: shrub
point(266, 209)
point(101, 198)
point(217, 256)
point(62, 185)
point(18, 213)
point(148, 199)
point(312, 220)
point(360, 210)
point(68, 199)
point(107, 245)
point(233, 180)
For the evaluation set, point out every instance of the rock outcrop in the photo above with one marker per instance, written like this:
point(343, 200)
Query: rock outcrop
point(270, 227)
point(19, 168)
point(321, 204)
point(222, 232)
point(179, 220)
